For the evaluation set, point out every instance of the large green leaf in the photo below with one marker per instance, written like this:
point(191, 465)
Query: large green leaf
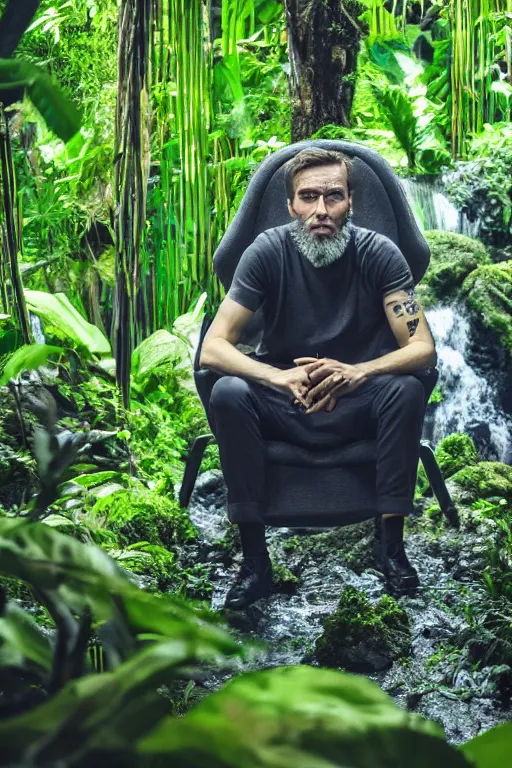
point(57, 311)
point(83, 575)
point(21, 640)
point(60, 114)
point(302, 716)
point(27, 358)
point(159, 348)
point(492, 749)
point(112, 710)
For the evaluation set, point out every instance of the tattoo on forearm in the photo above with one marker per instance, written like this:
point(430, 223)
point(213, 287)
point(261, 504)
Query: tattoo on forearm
point(411, 305)
point(412, 325)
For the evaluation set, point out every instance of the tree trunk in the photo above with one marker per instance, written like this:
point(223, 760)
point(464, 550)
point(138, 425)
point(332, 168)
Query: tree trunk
point(131, 176)
point(323, 41)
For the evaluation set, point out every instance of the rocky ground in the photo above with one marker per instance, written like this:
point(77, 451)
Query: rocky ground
point(451, 668)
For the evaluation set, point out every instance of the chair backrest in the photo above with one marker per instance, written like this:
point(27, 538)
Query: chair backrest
point(378, 203)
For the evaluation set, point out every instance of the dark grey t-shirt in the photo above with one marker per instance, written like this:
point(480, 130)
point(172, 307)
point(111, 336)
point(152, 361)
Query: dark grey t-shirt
point(334, 311)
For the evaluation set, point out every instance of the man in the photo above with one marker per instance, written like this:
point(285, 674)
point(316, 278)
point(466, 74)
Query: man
point(343, 332)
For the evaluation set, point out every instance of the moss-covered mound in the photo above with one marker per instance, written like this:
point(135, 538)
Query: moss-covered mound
point(453, 258)
point(363, 637)
point(453, 453)
point(139, 514)
point(485, 480)
point(488, 293)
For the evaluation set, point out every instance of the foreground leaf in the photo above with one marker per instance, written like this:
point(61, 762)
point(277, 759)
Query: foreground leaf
point(21, 640)
point(302, 716)
point(492, 749)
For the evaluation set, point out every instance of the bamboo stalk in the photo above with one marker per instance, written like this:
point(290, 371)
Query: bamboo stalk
point(13, 298)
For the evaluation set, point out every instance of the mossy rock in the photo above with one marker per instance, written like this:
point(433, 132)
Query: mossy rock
point(139, 514)
point(453, 258)
point(362, 637)
point(488, 293)
point(485, 480)
point(284, 580)
point(153, 561)
point(453, 453)
point(351, 544)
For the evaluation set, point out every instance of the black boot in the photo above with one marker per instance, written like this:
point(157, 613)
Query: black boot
point(254, 581)
point(390, 557)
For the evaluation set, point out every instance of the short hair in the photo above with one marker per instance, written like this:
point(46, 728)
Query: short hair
point(311, 158)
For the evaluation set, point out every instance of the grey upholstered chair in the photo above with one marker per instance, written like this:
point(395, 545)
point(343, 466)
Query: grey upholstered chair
point(333, 487)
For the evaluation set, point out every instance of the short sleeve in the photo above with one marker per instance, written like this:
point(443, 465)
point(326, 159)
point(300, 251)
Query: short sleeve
point(392, 271)
point(250, 282)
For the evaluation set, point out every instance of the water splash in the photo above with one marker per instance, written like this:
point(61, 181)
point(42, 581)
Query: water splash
point(471, 402)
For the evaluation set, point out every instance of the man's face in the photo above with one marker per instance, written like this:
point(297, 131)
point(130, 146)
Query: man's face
point(321, 201)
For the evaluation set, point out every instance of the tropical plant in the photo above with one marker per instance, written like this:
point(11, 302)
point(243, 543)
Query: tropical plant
point(396, 83)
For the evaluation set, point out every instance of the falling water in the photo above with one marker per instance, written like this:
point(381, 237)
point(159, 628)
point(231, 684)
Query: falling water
point(471, 403)
point(37, 331)
point(433, 210)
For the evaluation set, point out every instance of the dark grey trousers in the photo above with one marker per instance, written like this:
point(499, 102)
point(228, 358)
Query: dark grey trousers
point(388, 408)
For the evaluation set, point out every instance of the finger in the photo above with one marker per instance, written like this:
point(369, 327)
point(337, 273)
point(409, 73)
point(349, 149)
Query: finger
point(327, 385)
point(311, 367)
point(300, 398)
point(304, 360)
point(319, 405)
point(330, 405)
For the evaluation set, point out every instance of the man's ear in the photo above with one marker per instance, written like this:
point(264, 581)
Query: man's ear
point(290, 210)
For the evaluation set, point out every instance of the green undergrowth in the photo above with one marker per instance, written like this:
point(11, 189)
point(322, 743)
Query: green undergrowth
point(455, 452)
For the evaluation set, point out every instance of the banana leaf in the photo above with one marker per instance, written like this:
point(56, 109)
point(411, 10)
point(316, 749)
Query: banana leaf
point(60, 114)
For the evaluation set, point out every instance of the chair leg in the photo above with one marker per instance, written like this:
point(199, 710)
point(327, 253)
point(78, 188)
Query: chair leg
point(192, 466)
point(438, 484)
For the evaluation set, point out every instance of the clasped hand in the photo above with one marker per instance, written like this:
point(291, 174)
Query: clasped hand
point(328, 380)
point(317, 384)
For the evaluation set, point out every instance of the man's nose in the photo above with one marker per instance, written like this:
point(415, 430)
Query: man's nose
point(321, 210)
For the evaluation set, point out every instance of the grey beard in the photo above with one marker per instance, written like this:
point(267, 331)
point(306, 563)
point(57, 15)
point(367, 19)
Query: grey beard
point(321, 251)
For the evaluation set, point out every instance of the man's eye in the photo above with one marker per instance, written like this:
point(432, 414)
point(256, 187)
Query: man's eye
point(336, 196)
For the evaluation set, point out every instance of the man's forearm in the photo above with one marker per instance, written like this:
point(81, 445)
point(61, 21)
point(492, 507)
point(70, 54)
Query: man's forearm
point(223, 356)
point(408, 359)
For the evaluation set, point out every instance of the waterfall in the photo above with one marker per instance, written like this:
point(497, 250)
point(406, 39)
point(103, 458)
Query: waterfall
point(433, 210)
point(37, 330)
point(471, 403)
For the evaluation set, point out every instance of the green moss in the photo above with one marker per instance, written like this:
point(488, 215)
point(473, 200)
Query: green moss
point(138, 514)
point(486, 479)
point(284, 579)
point(488, 292)
point(359, 635)
point(351, 544)
point(453, 258)
point(453, 453)
point(151, 560)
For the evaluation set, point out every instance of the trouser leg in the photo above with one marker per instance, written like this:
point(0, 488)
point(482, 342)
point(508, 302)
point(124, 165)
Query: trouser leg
point(398, 409)
point(237, 411)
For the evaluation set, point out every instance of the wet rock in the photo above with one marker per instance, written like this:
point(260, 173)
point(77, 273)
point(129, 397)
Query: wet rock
point(362, 637)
